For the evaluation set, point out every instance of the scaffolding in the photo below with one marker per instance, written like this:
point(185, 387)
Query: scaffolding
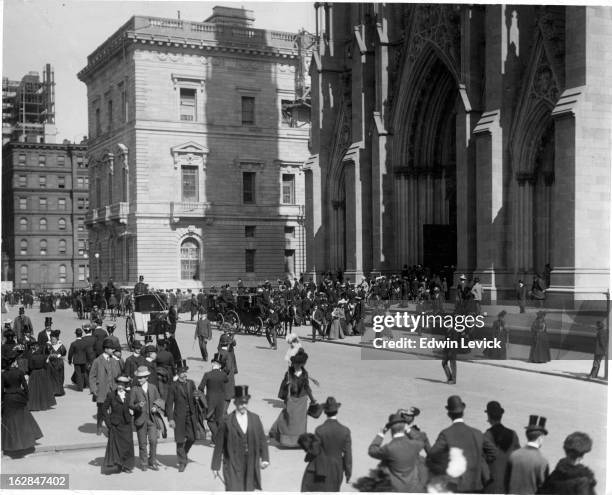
point(28, 107)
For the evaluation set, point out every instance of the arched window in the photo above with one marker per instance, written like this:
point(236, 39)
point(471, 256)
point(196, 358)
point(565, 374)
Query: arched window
point(190, 260)
point(23, 274)
point(62, 274)
point(23, 247)
point(61, 224)
point(43, 224)
point(43, 247)
point(23, 224)
point(62, 246)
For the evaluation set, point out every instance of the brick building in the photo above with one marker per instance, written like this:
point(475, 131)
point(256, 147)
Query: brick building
point(470, 135)
point(44, 202)
point(197, 139)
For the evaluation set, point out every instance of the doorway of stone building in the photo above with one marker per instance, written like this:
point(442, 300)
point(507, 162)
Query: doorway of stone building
point(439, 246)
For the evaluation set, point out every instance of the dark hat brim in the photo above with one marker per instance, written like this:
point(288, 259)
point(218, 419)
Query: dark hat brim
point(536, 428)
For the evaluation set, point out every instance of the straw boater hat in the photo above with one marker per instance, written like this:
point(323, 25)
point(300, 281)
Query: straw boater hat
point(142, 372)
point(123, 379)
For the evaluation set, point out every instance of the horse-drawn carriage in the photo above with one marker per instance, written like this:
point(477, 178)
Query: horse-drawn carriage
point(85, 300)
point(149, 318)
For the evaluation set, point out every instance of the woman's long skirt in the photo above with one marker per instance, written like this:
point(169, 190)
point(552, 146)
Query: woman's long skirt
point(119, 449)
point(42, 388)
point(19, 428)
point(291, 422)
point(56, 371)
point(540, 349)
point(335, 331)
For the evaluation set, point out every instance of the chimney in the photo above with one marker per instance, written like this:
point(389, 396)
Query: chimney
point(232, 16)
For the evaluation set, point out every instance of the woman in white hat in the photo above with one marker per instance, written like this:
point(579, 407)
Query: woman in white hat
point(294, 346)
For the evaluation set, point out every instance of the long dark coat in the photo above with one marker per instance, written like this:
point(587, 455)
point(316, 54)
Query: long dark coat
point(181, 407)
point(214, 383)
point(337, 448)
point(229, 446)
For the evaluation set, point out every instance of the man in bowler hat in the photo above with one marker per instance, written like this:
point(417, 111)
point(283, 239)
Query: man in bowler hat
point(527, 467)
point(400, 456)
point(336, 446)
point(213, 386)
point(104, 370)
point(182, 413)
point(476, 448)
point(143, 401)
point(505, 440)
point(242, 445)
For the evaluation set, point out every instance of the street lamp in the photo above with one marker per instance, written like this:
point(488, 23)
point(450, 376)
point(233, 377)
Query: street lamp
point(97, 256)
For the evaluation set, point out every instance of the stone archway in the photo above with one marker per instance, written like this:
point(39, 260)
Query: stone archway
point(424, 163)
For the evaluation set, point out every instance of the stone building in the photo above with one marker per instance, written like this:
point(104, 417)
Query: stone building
point(469, 135)
point(44, 202)
point(197, 139)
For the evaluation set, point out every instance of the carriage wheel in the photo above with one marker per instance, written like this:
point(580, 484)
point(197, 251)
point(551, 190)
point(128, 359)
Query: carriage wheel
point(258, 326)
point(231, 317)
point(130, 332)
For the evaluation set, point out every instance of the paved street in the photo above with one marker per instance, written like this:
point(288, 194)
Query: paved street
point(368, 389)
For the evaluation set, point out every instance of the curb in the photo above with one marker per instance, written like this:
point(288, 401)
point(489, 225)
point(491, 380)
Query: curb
point(482, 362)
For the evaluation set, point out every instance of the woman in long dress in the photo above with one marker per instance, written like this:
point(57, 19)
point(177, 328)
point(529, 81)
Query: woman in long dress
point(19, 428)
point(335, 331)
point(540, 349)
point(41, 396)
point(119, 455)
point(56, 351)
point(295, 392)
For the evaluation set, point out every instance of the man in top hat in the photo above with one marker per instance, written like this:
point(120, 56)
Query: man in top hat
point(100, 334)
point(150, 353)
point(228, 360)
point(140, 288)
point(21, 323)
point(400, 456)
point(104, 370)
point(601, 348)
point(527, 467)
point(79, 355)
point(44, 336)
point(505, 440)
point(243, 446)
point(134, 361)
point(203, 332)
point(182, 413)
point(336, 446)
point(213, 386)
point(144, 398)
point(473, 443)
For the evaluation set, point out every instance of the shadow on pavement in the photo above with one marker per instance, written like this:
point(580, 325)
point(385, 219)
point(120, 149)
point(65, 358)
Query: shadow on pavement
point(88, 428)
point(430, 380)
point(277, 403)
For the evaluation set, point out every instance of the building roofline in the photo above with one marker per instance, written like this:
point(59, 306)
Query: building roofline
point(19, 144)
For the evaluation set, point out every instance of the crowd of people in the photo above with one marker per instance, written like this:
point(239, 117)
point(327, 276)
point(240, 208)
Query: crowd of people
point(150, 391)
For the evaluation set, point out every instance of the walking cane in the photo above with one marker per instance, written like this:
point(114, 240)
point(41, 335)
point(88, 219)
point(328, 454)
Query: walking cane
point(218, 475)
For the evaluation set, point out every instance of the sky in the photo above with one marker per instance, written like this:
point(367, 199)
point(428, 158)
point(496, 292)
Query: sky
point(63, 33)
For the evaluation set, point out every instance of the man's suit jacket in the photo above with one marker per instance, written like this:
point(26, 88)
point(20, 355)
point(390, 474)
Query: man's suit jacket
point(20, 324)
point(214, 383)
point(131, 365)
point(100, 334)
point(526, 472)
point(43, 337)
point(90, 341)
point(477, 450)
point(401, 457)
point(180, 405)
point(203, 329)
point(102, 377)
point(336, 445)
point(165, 360)
point(138, 395)
point(78, 352)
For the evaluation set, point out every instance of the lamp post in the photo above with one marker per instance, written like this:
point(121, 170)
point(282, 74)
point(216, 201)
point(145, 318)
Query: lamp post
point(97, 256)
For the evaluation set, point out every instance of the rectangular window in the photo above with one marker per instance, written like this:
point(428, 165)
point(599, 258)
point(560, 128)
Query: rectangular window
point(81, 247)
point(22, 159)
point(61, 182)
point(110, 114)
point(61, 161)
point(248, 187)
point(80, 203)
point(23, 203)
point(81, 273)
point(80, 224)
point(249, 231)
point(249, 260)
point(42, 203)
point(23, 271)
point(189, 181)
point(42, 160)
point(23, 181)
point(188, 104)
point(86, 182)
point(42, 181)
point(80, 182)
point(248, 110)
point(289, 261)
point(80, 162)
point(124, 105)
point(61, 204)
point(98, 123)
point(289, 232)
point(288, 190)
